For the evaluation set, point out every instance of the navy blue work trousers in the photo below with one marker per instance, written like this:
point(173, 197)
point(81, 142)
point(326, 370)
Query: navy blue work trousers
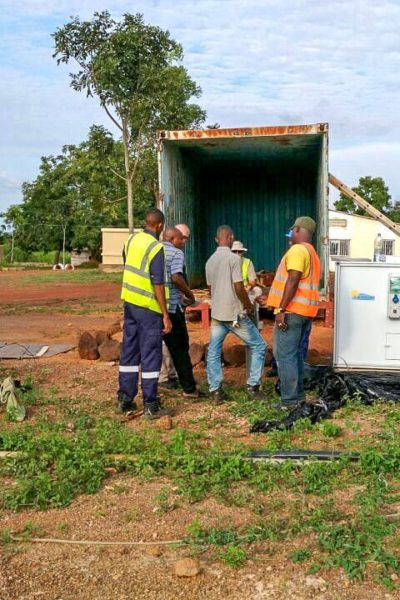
point(141, 347)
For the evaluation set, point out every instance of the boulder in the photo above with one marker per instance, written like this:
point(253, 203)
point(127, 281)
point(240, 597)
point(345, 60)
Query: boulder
point(187, 567)
point(114, 328)
point(110, 350)
point(100, 337)
point(234, 356)
point(87, 346)
point(196, 353)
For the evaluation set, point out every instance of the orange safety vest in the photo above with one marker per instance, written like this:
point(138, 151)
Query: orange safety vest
point(305, 302)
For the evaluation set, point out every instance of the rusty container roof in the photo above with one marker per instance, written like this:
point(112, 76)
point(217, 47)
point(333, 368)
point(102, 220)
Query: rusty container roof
point(274, 130)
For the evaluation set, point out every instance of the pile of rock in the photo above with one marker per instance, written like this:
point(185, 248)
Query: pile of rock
point(100, 344)
point(106, 345)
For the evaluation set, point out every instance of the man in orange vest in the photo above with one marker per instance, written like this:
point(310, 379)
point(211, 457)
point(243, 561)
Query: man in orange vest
point(294, 297)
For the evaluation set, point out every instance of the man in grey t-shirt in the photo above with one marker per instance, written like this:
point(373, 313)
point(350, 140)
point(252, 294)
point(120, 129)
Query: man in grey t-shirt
point(230, 305)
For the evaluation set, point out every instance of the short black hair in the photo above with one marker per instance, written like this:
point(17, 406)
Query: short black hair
point(154, 216)
point(224, 229)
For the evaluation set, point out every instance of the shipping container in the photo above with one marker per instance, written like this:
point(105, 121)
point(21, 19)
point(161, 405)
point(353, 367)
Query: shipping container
point(257, 180)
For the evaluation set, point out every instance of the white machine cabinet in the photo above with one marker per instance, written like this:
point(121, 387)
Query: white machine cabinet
point(367, 316)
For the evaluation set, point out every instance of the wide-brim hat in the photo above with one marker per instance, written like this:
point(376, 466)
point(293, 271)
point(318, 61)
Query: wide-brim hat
point(238, 246)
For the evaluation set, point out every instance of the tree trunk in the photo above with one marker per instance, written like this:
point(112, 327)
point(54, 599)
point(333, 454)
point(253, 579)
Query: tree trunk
point(129, 189)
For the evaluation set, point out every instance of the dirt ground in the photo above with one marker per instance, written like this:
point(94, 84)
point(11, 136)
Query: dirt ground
point(124, 509)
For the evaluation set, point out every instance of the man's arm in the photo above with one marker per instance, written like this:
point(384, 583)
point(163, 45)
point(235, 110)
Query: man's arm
point(157, 270)
point(178, 280)
point(243, 296)
point(159, 291)
point(291, 286)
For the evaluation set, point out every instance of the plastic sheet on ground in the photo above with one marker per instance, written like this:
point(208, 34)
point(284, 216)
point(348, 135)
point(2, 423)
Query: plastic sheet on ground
point(333, 389)
point(9, 350)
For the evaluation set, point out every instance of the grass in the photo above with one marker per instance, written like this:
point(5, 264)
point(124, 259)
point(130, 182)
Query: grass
point(85, 276)
point(290, 504)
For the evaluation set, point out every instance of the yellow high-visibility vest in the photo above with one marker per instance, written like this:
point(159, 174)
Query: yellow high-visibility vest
point(245, 270)
point(137, 287)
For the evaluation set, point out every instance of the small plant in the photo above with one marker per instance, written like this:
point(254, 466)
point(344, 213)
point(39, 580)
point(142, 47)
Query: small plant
point(234, 556)
point(331, 430)
point(300, 555)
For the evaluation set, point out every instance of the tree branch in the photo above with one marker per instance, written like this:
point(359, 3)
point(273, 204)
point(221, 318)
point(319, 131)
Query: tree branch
point(117, 174)
point(113, 119)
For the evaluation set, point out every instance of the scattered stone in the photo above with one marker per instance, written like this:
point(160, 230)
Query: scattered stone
point(394, 577)
point(187, 567)
point(112, 363)
point(87, 346)
point(100, 337)
point(196, 353)
point(153, 551)
point(164, 423)
point(315, 582)
point(234, 356)
point(110, 350)
point(114, 328)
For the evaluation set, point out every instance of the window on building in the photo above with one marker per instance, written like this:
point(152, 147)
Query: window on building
point(388, 247)
point(340, 247)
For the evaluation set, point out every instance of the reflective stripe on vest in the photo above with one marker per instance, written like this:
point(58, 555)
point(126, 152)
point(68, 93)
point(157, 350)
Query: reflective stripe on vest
point(137, 288)
point(245, 270)
point(306, 299)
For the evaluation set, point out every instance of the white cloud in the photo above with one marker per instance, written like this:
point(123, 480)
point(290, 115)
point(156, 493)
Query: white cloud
point(258, 62)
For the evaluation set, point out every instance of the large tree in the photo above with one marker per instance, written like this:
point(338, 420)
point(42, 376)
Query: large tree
point(135, 71)
point(74, 195)
point(373, 190)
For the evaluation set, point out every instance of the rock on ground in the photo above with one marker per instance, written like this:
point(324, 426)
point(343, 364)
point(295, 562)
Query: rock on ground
point(234, 356)
point(196, 353)
point(87, 346)
point(114, 328)
point(164, 423)
point(110, 350)
point(187, 567)
point(100, 337)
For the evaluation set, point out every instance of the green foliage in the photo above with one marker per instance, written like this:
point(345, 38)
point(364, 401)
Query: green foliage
point(373, 190)
point(135, 71)
point(299, 556)
point(331, 430)
point(353, 546)
point(233, 556)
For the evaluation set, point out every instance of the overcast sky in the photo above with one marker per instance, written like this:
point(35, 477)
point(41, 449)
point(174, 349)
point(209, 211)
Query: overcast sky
point(259, 62)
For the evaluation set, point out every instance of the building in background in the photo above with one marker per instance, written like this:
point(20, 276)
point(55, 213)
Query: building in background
point(353, 237)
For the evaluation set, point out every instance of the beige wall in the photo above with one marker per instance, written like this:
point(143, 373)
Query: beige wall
point(361, 231)
point(113, 241)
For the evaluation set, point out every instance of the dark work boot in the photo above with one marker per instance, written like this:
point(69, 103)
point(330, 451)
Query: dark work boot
point(218, 396)
point(155, 410)
point(125, 404)
point(254, 391)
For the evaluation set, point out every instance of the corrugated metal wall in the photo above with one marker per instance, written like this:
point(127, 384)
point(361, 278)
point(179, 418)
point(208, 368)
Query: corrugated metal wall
point(258, 195)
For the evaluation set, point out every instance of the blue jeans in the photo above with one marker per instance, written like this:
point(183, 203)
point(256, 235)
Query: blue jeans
point(250, 335)
point(288, 352)
point(304, 345)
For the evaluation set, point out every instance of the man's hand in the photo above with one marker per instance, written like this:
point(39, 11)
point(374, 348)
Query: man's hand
point(280, 322)
point(167, 324)
point(190, 301)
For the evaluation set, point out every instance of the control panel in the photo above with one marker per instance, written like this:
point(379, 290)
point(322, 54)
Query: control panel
point(394, 297)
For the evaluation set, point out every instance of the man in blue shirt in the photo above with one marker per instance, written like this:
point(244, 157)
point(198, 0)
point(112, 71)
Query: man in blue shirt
point(177, 341)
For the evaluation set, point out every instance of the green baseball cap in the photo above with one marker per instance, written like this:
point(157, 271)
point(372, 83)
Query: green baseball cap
point(305, 223)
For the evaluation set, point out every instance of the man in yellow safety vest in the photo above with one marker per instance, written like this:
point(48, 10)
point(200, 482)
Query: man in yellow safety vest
point(248, 270)
point(294, 297)
point(146, 317)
